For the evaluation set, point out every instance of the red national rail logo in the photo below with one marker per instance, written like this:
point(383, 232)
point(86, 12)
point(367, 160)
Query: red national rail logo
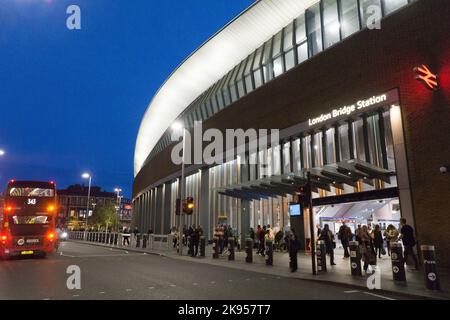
point(429, 79)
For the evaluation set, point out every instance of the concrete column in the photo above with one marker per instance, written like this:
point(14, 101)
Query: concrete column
point(245, 214)
point(166, 223)
point(159, 210)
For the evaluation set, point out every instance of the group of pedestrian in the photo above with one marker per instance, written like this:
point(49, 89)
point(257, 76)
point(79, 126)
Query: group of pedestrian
point(223, 233)
point(260, 237)
point(190, 236)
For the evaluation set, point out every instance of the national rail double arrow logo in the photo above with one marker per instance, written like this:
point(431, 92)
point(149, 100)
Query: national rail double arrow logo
point(429, 79)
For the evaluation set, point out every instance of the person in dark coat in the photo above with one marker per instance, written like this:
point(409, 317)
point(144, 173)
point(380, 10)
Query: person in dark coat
point(195, 240)
point(378, 241)
point(409, 241)
point(293, 249)
point(327, 236)
point(345, 235)
point(262, 235)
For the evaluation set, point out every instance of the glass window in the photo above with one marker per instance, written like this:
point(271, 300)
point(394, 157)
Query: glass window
point(389, 140)
point(300, 30)
point(296, 150)
point(349, 17)
point(267, 62)
point(276, 45)
point(288, 37)
point(367, 11)
point(266, 55)
point(240, 87)
point(306, 152)
point(318, 151)
point(31, 192)
point(289, 59)
point(358, 140)
point(278, 66)
point(257, 61)
point(258, 78)
point(220, 100)
point(248, 83)
point(330, 151)
point(344, 142)
point(330, 23)
point(302, 52)
point(214, 104)
point(392, 5)
point(226, 96)
point(240, 72)
point(314, 29)
point(233, 92)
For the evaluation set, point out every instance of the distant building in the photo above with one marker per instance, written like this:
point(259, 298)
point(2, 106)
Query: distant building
point(73, 202)
point(126, 210)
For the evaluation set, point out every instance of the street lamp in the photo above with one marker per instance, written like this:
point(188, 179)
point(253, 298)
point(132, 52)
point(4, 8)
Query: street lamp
point(87, 176)
point(177, 126)
point(2, 152)
point(118, 191)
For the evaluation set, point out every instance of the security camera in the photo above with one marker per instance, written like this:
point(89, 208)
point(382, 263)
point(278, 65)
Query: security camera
point(445, 169)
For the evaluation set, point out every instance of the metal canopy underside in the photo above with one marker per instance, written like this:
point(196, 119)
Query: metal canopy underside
point(335, 175)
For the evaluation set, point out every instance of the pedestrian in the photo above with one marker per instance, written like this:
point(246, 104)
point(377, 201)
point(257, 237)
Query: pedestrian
point(327, 236)
point(278, 239)
point(366, 248)
point(345, 235)
point(135, 232)
point(319, 230)
point(293, 249)
point(252, 234)
point(378, 242)
point(262, 235)
point(174, 234)
point(126, 237)
point(256, 242)
point(391, 235)
point(195, 238)
point(409, 241)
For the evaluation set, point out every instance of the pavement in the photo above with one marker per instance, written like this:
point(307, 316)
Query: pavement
point(114, 273)
point(336, 275)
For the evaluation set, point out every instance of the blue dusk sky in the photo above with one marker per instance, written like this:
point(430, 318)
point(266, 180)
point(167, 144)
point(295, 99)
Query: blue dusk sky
point(72, 101)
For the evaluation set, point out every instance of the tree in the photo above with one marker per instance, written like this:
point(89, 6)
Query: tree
point(104, 216)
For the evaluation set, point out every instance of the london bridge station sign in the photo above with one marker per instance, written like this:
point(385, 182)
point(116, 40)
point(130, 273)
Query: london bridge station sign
point(359, 106)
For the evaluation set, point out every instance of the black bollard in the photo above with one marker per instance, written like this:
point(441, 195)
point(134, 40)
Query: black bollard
point(231, 249)
point(116, 238)
point(202, 246)
point(144, 241)
point(355, 259)
point(269, 253)
point(398, 262)
point(215, 248)
point(321, 254)
point(249, 250)
point(429, 260)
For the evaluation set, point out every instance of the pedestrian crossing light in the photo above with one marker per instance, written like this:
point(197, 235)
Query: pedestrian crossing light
point(188, 206)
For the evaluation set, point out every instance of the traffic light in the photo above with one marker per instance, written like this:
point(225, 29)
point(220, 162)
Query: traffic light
point(188, 206)
point(304, 194)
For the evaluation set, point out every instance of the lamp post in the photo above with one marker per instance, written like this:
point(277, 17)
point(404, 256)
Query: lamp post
point(177, 126)
point(118, 191)
point(87, 176)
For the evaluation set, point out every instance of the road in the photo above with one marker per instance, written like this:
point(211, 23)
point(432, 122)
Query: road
point(116, 274)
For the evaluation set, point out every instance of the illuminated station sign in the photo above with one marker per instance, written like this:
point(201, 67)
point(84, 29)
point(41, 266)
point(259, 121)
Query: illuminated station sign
point(352, 108)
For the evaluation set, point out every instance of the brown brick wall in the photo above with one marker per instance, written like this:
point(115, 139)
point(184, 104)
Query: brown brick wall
point(369, 62)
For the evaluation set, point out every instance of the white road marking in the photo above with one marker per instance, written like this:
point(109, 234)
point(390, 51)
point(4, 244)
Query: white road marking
point(128, 290)
point(46, 299)
point(213, 282)
point(247, 279)
point(173, 285)
point(351, 291)
point(230, 280)
point(378, 296)
point(76, 295)
point(151, 288)
point(195, 284)
point(101, 292)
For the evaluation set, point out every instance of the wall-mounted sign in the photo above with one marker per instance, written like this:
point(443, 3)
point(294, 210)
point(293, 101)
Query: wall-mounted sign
point(428, 78)
point(350, 109)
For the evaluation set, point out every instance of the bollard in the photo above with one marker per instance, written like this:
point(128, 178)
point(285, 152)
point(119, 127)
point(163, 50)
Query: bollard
point(111, 239)
point(429, 260)
point(116, 238)
point(249, 250)
point(144, 241)
point(231, 249)
point(398, 263)
point(355, 258)
point(269, 253)
point(321, 256)
point(138, 240)
point(215, 248)
point(107, 238)
point(202, 246)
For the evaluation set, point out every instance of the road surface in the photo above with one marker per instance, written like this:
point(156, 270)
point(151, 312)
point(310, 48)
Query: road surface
point(116, 274)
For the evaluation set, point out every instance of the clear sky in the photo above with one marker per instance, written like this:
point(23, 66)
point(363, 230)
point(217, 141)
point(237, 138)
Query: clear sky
point(72, 101)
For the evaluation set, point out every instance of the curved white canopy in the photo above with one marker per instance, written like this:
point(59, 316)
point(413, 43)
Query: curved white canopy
point(211, 62)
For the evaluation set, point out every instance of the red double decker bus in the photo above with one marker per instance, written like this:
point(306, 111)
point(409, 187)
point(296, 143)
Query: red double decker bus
point(28, 219)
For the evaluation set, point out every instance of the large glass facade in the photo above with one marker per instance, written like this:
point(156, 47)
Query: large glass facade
point(321, 26)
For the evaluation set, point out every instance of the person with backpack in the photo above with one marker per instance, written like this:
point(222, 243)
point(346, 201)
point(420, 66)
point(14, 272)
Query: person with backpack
point(293, 247)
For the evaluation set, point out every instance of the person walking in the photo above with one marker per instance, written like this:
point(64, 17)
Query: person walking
point(327, 236)
point(126, 237)
point(135, 232)
point(262, 246)
point(409, 242)
point(345, 235)
point(366, 247)
point(391, 235)
point(195, 238)
point(378, 242)
point(293, 249)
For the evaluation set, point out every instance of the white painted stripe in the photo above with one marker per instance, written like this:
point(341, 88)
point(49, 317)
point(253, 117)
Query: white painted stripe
point(351, 291)
point(378, 296)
